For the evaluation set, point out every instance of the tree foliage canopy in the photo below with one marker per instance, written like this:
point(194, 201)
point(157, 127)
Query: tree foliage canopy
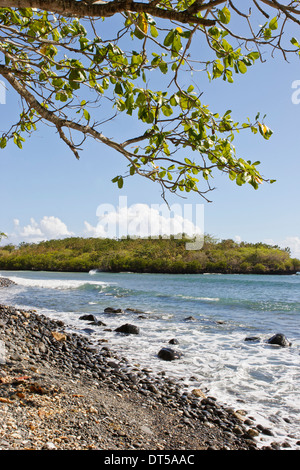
point(148, 255)
point(80, 65)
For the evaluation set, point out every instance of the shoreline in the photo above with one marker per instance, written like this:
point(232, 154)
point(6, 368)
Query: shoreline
point(170, 255)
point(52, 381)
point(58, 391)
point(204, 272)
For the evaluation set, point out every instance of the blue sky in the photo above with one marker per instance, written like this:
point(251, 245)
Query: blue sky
point(47, 193)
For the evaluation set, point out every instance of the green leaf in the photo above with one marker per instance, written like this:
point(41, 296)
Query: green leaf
point(118, 89)
point(176, 44)
point(86, 114)
point(218, 69)
point(273, 24)
point(75, 77)
point(267, 33)
point(163, 67)
point(295, 42)
point(214, 32)
point(169, 38)
point(138, 33)
point(120, 182)
point(153, 31)
point(26, 12)
point(224, 15)
point(264, 131)
point(241, 66)
point(61, 96)
point(167, 110)
point(3, 142)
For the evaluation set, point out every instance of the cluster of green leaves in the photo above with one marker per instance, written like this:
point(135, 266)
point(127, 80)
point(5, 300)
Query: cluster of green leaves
point(148, 255)
point(56, 57)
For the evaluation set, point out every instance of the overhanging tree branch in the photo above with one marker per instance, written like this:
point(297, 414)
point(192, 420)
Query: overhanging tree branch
point(96, 10)
point(52, 118)
point(64, 76)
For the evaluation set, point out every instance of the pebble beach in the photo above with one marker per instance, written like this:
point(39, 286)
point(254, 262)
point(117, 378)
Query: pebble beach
point(59, 392)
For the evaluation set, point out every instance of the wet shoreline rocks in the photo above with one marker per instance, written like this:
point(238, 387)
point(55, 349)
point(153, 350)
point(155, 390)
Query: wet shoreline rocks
point(169, 354)
point(58, 390)
point(128, 329)
point(278, 339)
point(49, 372)
point(4, 282)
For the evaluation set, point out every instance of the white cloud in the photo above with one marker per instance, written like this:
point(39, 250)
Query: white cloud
point(294, 244)
point(288, 242)
point(142, 220)
point(49, 227)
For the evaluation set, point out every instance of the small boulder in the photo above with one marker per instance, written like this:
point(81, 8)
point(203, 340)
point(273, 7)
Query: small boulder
point(173, 341)
point(134, 310)
point(58, 336)
point(88, 317)
point(128, 329)
point(113, 310)
point(196, 392)
point(255, 339)
point(168, 354)
point(99, 323)
point(280, 340)
point(92, 319)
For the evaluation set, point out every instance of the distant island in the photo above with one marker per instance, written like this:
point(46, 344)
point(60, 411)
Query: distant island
point(146, 255)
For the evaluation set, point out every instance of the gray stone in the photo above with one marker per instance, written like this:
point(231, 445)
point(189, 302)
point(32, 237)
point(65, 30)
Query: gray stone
point(168, 354)
point(280, 340)
point(113, 310)
point(128, 329)
point(173, 341)
point(89, 317)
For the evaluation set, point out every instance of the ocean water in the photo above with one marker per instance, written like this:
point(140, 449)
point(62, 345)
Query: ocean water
point(262, 379)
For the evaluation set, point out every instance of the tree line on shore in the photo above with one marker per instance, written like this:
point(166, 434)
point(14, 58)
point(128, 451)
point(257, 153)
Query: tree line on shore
point(161, 255)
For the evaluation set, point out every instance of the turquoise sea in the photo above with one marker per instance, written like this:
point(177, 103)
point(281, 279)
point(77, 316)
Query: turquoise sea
point(262, 379)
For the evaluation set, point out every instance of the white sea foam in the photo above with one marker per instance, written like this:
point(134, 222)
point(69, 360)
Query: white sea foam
point(190, 297)
point(61, 284)
point(92, 272)
point(254, 376)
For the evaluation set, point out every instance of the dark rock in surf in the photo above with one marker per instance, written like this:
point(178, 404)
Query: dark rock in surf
point(255, 339)
point(168, 354)
point(128, 329)
point(173, 341)
point(190, 318)
point(4, 282)
point(88, 318)
point(280, 340)
point(134, 310)
point(88, 331)
point(113, 310)
point(99, 323)
point(92, 319)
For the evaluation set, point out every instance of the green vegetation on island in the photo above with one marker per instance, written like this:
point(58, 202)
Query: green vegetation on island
point(162, 255)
